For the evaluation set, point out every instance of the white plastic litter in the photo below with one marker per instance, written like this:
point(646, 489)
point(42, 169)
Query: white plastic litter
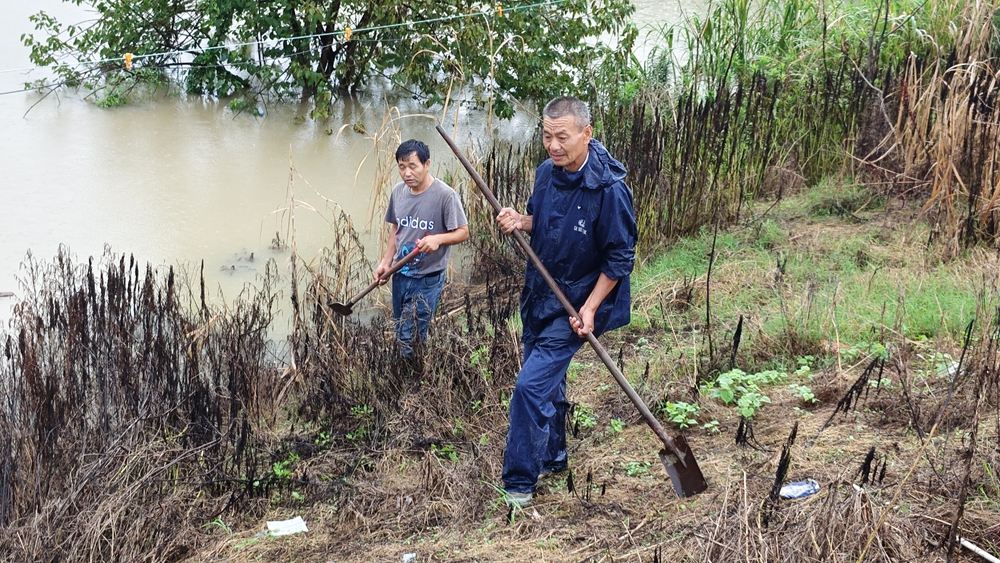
point(977, 550)
point(409, 558)
point(799, 489)
point(286, 527)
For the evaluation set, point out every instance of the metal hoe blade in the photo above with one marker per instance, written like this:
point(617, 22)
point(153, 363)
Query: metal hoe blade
point(685, 475)
point(341, 309)
point(347, 308)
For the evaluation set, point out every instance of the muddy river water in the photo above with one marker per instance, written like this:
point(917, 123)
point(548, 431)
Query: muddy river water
point(180, 180)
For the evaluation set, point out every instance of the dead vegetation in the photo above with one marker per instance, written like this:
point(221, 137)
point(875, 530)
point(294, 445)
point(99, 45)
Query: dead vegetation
point(143, 425)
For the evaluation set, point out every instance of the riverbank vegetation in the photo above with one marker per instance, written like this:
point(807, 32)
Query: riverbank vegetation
point(816, 298)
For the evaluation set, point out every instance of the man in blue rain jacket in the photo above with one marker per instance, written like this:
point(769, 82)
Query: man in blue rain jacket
point(583, 230)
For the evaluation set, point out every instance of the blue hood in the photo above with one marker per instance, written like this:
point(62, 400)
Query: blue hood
point(599, 172)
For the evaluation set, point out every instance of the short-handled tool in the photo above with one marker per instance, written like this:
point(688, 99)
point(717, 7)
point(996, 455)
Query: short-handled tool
point(677, 457)
point(346, 308)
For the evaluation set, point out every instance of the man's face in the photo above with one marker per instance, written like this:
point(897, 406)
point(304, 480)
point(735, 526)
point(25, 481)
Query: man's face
point(565, 141)
point(412, 171)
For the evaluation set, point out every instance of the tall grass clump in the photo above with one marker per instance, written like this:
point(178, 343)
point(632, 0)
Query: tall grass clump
point(765, 98)
point(509, 172)
point(130, 404)
point(726, 123)
point(943, 141)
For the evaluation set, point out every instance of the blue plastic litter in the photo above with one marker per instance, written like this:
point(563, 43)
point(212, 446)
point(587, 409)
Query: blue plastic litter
point(799, 489)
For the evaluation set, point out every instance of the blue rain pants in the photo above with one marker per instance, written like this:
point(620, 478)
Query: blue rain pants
point(536, 439)
point(414, 301)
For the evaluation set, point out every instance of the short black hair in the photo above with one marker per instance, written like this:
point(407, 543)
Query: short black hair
point(413, 146)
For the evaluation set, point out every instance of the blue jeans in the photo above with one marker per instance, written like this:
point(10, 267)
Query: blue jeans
point(414, 301)
point(537, 436)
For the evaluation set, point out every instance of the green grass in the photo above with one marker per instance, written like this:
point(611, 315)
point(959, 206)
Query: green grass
point(803, 278)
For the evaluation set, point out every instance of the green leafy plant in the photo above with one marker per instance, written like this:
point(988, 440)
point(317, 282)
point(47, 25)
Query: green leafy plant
point(858, 350)
point(246, 543)
point(635, 468)
point(359, 433)
point(573, 371)
point(283, 469)
point(936, 364)
point(680, 413)
point(743, 390)
point(481, 358)
point(641, 344)
point(884, 383)
point(584, 417)
point(750, 402)
point(445, 451)
point(364, 414)
point(711, 427)
point(617, 426)
point(322, 439)
point(805, 364)
point(219, 524)
point(804, 393)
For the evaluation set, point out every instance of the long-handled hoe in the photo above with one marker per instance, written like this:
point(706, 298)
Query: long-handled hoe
point(347, 308)
point(676, 456)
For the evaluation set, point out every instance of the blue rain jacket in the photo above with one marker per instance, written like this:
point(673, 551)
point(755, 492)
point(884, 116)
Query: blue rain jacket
point(583, 223)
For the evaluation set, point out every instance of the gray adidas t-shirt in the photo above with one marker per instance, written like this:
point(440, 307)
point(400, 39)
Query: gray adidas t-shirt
point(434, 211)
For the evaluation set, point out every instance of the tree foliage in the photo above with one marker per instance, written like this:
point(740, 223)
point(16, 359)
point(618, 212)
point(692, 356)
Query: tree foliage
point(253, 49)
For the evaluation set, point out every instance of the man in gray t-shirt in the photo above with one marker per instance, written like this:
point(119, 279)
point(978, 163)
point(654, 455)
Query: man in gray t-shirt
point(423, 214)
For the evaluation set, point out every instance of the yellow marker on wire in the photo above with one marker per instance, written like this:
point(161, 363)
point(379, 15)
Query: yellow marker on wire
point(347, 34)
point(128, 61)
point(499, 10)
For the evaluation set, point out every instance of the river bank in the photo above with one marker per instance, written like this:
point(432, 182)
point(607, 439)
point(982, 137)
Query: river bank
point(430, 494)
